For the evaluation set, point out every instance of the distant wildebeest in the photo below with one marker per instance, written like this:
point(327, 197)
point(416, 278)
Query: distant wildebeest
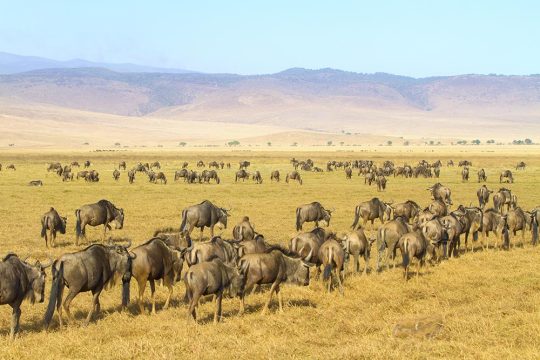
point(11, 167)
point(506, 176)
point(348, 173)
point(193, 178)
point(92, 176)
point(222, 165)
point(185, 164)
point(332, 256)
point(482, 175)
point(54, 167)
point(211, 278)
point(155, 165)
point(67, 176)
point(241, 174)
point(200, 163)
point(131, 176)
point(407, 210)
point(244, 230)
point(87, 164)
point(516, 220)
point(215, 247)
point(214, 164)
point(257, 177)
point(274, 175)
point(101, 213)
point(35, 183)
point(116, 174)
point(122, 165)
point(274, 267)
point(483, 196)
point(294, 175)
point(151, 176)
point(51, 221)
point(413, 244)
point(244, 164)
point(161, 177)
point(504, 197)
point(520, 165)
point(437, 171)
point(75, 164)
point(465, 163)
point(371, 210)
point(441, 192)
point(82, 174)
point(450, 163)
point(228, 165)
point(313, 212)
point(317, 169)
point(369, 178)
point(388, 236)
point(492, 221)
point(155, 260)
point(203, 215)
point(210, 175)
point(92, 269)
point(438, 208)
point(356, 244)
point(381, 183)
point(465, 173)
point(20, 280)
point(181, 174)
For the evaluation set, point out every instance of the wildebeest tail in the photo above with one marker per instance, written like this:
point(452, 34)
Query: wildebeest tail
point(56, 287)
point(43, 227)
point(329, 266)
point(125, 293)
point(535, 229)
point(506, 237)
point(405, 255)
point(78, 231)
point(184, 221)
point(356, 217)
point(298, 225)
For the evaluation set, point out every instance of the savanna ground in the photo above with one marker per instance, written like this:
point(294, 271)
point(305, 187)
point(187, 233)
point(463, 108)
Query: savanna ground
point(489, 300)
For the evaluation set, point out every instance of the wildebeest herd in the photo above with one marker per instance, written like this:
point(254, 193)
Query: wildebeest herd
point(236, 266)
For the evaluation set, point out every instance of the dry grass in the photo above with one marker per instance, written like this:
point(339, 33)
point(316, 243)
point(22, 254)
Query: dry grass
point(489, 301)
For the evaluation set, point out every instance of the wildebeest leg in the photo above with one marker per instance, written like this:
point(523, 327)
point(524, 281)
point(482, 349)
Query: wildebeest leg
point(366, 259)
point(339, 280)
point(16, 315)
point(318, 273)
point(59, 304)
point(523, 237)
point(95, 304)
point(170, 288)
point(142, 286)
point(267, 305)
point(211, 233)
point(280, 299)
point(357, 262)
point(104, 232)
point(217, 312)
point(69, 298)
point(53, 238)
point(193, 300)
point(152, 295)
point(46, 240)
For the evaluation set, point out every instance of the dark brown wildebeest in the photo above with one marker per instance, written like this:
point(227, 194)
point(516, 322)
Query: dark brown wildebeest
point(54, 167)
point(87, 164)
point(504, 197)
point(51, 221)
point(348, 173)
point(274, 267)
point(161, 177)
point(116, 174)
point(216, 247)
point(435, 233)
point(388, 236)
point(155, 260)
point(75, 164)
point(122, 165)
point(381, 183)
point(82, 174)
point(450, 163)
point(67, 176)
point(101, 213)
point(332, 257)
point(193, 178)
point(294, 175)
point(516, 220)
point(313, 212)
point(211, 175)
point(19, 281)
point(211, 278)
point(356, 244)
point(369, 178)
point(184, 173)
point(200, 164)
point(441, 192)
point(59, 171)
point(243, 230)
point(520, 165)
point(465, 173)
point(244, 164)
point(141, 167)
point(454, 226)
point(437, 171)
point(156, 165)
point(92, 269)
point(257, 177)
point(151, 176)
point(213, 164)
point(471, 218)
point(222, 165)
point(35, 183)
point(255, 246)
point(92, 176)
point(317, 169)
point(438, 208)
point(408, 210)
point(228, 165)
point(274, 175)
point(465, 163)
point(203, 215)
point(307, 245)
point(413, 244)
point(371, 210)
point(185, 165)
point(11, 167)
point(131, 176)
point(492, 221)
point(506, 176)
point(241, 174)
point(0, 167)
point(483, 196)
point(482, 175)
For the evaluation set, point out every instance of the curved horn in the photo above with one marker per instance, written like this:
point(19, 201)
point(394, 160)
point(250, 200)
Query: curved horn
point(43, 266)
point(128, 244)
point(308, 257)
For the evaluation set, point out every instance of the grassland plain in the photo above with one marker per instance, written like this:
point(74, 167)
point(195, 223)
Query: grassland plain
point(489, 300)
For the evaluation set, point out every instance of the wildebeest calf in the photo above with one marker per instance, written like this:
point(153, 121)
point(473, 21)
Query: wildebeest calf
point(52, 222)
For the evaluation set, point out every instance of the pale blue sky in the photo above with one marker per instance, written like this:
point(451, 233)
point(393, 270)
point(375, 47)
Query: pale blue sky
point(408, 37)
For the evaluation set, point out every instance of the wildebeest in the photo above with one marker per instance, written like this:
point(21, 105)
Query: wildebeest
point(92, 176)
point(67, 176)
point(200, 163)
point(87, 164)
point(257, 177)
point(185, 165)
point(313, 212)
point(75, 164)
point(52, 221)
point(520, 165)
point(413, 244)
point(307, 245)
point(82, 174)
point(454, 225)
point(254, 246)
point(482, 175)
point(388, 236)
point(161, 177)
point(244, 164)
point(471, 218)
point(504, 197)
point(241, 174)
point(465, 163)
point(116, 174)
point(438, 208)
point(516, 220)
point(483, 196)
point(11, 167)
point(211, 278)
point(273, 267)
point(193, 178)
point(371, 210)
point(408, 210)
point(181, 174)
point(19, 281)
point(122, 165)
point(506, 176)
point(465, 173)
point(203, 215)
point(294, 175)
point(210, 175)
point(35, 183)
point(441, 192)
point(213, 164)
point(101, 213)
point(450, 163)
point(381, 183)
point(348, 173)
point(369, 178)
point(243, 230)
point(155, 260)
point(215, 247)
point(92, 269)
point(356, 244)
point(492, 221)
point(54, 167)
point(274, 175)
point(332, 257)
point(437, 171)
point(131, 176)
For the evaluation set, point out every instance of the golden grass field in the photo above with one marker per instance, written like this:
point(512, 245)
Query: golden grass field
point(489, 301)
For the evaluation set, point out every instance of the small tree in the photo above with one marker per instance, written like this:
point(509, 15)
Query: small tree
point(329, 143)
point(476, 142)
point(490, 141)
point(528, 141)
point(389, 143)
point(269, 143)
point(182, 144)
point(431, 142)
point(234, 143)
point(294, 144)
point(341, 143)
point(406, 143)
point(116, 144)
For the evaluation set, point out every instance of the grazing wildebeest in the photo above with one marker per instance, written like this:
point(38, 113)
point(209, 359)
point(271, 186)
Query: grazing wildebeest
point(371, 210)
point(520, 165)
point(441, 192)
point(492, 221)
point(381, 183)
point(82, 174)
point(438, 208)
point(184, 173)
point(185, 165)
point(241, 174)
point(273, 267)
point(506, 176)
point(216, 247)
point(294, 175)
point(211, 278)
point(213, 164)
point(332, 257)
point(87, 164)
point(156, 165)
point(151, 176)
point(388, 236)
point(116, 174)
point(437, 171)
point(19, 281)
point(131, 176)
point(35, 183)
point(413, 244)
point(257, 177)
point(244, 230)
point(244, 164)
point(203, 215)
point(122, 165)
point(92, 176)
point(54, 167)
point(465, 163)
point(274, 175)
point(161, 177)
point(407, 210)
point(210, 175)
point(369, 178)
point(101, 213)
point(51, 221)
point(482, 175)
point(11, 167)
point(313, 212)
point(155, 260)
point(200, 163)
point(483, 196)
point(356, 244)
point(193, 177)
point(450, 163)
point(67, 176)
point(516, 220)
point(504, 197)
point(348, 173)
point(75, 164)
point(465, 173)
point(92, 269)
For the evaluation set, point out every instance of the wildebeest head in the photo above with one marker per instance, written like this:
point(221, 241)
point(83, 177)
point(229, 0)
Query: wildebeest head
point(37, 277)
point(236, 286)
point(327, 215)
point(222, 216)
point(119, 219)
point(298, 270)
